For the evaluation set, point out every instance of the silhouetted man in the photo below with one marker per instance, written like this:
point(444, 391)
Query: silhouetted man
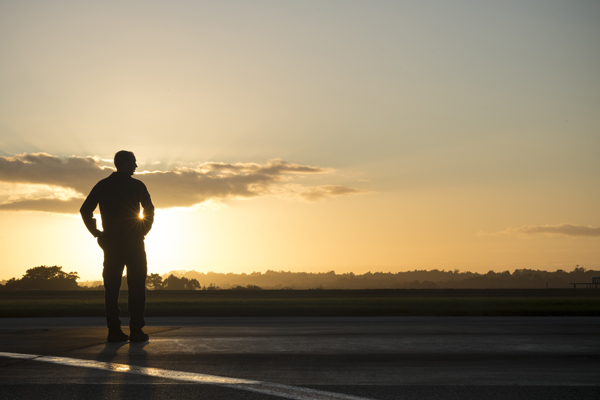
point(122, 240)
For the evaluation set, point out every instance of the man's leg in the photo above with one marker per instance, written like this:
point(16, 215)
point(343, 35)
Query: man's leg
point(137, 269)
point(112, 274)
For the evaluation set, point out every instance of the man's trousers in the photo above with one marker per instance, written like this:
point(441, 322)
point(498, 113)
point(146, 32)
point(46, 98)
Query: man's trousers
point(117, 255)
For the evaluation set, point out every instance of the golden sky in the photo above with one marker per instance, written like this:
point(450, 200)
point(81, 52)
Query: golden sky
point(306, 136)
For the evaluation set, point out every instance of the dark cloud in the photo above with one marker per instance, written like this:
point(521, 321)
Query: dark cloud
point(70, 206)
point(560, 229)
point(41, 168)
point(180, 187)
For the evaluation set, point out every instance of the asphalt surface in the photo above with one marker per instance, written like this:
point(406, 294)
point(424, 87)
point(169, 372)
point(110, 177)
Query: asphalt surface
point(369, 357)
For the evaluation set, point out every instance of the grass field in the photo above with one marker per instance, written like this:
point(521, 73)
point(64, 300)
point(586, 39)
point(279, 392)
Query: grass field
point(276, 303)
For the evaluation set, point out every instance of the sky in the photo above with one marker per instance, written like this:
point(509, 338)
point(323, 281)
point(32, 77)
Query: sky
point(311, 136)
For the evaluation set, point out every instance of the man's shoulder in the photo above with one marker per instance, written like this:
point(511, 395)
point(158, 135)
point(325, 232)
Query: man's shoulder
point(116, 176)
point(137, 181)
point(139, 185)
point(117, 180)
point(103, 182)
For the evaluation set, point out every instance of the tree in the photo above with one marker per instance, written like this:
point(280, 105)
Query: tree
point(49, 278)
point(175, 283)
point(192, 284)
point(154, 281)
point(12, 284)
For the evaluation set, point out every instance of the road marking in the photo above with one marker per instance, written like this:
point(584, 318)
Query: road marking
point(274, 389)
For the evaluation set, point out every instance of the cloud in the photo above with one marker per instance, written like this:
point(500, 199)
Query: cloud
point(321, 192)
point(70, 206)
point(60, 184)
point(560, 229)
point(41, 168)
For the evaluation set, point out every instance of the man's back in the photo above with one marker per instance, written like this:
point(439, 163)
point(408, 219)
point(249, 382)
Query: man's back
point(119, 197)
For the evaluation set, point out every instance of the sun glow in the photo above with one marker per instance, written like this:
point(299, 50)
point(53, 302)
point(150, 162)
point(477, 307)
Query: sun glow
point(176, 237)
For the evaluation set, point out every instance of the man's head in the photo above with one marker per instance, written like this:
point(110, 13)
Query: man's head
point(125, 162)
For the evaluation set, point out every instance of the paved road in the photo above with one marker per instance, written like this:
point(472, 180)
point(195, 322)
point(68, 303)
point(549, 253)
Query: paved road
point(305, 358)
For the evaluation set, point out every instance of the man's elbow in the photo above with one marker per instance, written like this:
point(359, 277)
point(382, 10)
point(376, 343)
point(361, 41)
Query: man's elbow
point(149, 211)
point(85, 214)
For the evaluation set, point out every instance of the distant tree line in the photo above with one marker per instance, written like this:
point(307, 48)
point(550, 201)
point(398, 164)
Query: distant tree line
point(53, 278)
point(416, 279)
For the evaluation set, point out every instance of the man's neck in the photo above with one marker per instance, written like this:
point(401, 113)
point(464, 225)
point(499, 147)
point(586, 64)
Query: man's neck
point(123, 173)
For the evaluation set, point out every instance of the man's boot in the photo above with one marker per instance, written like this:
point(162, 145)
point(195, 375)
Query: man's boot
point(116, 335)
point(137, 335)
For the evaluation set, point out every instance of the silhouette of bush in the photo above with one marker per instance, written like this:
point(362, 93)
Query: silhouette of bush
point(248, 287)
point(175, 283)
point(46, 278)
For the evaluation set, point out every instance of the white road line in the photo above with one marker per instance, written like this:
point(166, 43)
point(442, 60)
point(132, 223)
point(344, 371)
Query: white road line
point(274, 389)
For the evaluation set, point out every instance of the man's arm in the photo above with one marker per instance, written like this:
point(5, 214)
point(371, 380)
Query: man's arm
point(148, 210)
point(87, 213)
